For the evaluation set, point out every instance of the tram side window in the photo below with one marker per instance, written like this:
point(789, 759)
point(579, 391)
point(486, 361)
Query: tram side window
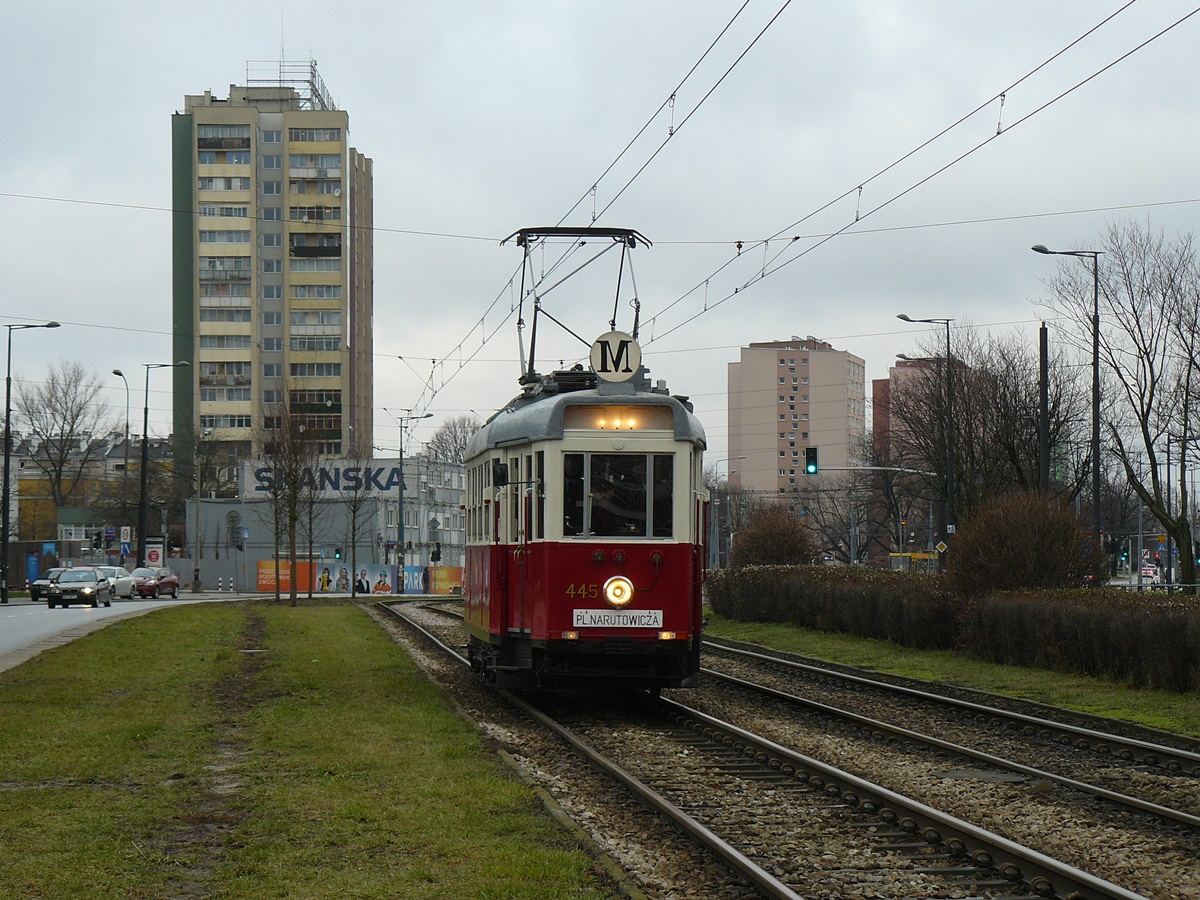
point(663, 468)
point(573, 494)
point(540, 487)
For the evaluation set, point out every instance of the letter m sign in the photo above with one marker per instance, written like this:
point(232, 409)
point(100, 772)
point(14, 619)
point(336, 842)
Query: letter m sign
point(616, 356)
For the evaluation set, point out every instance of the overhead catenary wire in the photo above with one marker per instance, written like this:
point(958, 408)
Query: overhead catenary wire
point(764, 272)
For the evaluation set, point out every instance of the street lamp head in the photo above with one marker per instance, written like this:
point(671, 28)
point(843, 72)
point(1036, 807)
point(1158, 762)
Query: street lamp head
point(1042, 248)
point(118, 373)
point(905, 318)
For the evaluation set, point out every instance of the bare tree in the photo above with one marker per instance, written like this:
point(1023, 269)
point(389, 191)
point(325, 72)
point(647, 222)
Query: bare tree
point(290, 452)
point(995, 420)
point(358, 502)
point(1149, 294)
point(449, 442)
point(68, 421)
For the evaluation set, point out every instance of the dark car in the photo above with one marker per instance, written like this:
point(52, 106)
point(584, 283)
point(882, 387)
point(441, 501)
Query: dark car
point(39, 589)
point(149, 582)
point(80, 584)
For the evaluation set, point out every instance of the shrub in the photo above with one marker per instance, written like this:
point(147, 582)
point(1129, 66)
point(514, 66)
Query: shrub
point(1024, 541)
point(772, 537)
point(913, 610)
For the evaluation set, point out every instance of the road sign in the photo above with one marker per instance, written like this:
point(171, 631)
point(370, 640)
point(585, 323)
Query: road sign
point(126, 548)
point(154, 555)
point(941, 547)
point(126, 535)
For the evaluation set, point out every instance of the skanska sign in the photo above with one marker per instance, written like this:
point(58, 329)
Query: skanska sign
point(335, 478)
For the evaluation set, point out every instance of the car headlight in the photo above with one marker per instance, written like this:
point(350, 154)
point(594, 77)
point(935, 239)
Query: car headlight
point(618, 591)
point(87, 590)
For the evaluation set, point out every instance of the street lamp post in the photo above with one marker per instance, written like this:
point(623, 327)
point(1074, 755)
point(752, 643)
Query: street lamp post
point(8, 458)
point(125, 473)
point(723, 552)
point(951, 520)
point(400, 560)
point(1094, 256)
point(143, 510)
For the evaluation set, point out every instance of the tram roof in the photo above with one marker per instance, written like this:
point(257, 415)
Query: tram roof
point(539, 415)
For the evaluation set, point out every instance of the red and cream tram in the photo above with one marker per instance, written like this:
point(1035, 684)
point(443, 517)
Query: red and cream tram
point(586, 514)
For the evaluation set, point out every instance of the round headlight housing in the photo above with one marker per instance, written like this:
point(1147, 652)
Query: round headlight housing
point(618, 591)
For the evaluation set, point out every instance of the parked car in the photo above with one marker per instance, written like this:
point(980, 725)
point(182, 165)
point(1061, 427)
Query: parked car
point(80, 584)
point(40, 588)
point(150, 582)
point(1150, 573)
point(122, 581)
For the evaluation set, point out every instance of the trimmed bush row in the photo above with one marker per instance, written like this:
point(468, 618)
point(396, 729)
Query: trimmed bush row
point(1145, 640)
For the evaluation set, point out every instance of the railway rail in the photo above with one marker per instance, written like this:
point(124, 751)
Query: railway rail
point(778, 806)
point(1126, 748)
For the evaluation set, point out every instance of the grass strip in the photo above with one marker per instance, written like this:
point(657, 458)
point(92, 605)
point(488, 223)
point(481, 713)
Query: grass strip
point(256, 750)
point(1179, 713)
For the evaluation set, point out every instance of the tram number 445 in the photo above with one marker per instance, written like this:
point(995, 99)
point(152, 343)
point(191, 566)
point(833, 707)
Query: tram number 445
point(583, 591)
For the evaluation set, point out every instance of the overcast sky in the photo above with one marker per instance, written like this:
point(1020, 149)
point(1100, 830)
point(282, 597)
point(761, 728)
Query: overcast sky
point(486, 117)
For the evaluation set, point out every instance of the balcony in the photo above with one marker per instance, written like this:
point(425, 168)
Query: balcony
point(225, 274)
point(226, 143)
point(309, 252)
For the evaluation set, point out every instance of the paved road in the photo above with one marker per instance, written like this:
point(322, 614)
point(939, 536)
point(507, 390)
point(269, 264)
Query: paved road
point(26, 628)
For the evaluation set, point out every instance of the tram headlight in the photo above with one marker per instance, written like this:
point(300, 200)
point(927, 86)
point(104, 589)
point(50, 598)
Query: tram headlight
point(618, 591)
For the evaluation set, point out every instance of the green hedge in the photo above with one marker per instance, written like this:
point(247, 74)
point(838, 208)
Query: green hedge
point(1142, 639)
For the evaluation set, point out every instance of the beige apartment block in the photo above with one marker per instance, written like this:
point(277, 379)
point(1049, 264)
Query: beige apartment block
point(785, 396)
point(272, 269)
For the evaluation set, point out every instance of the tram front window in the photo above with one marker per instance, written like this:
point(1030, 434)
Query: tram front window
point(618, 500)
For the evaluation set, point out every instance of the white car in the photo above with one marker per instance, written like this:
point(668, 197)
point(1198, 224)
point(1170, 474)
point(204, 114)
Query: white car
point(121, 580)
point(1150, 573)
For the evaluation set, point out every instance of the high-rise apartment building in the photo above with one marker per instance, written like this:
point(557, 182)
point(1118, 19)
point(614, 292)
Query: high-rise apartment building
point(785, 396)
point(273, 261)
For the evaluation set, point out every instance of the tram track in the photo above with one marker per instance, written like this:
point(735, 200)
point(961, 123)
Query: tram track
point(923, 838)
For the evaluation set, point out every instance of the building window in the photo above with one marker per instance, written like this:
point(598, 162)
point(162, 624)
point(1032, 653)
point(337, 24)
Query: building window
point(272, 266)
point(272, 318)
point(272, 240)
point(207, 157)
point(272, 214)
point(224, 237)
point(224, 342)
point(315, 317)
point(271, 188)
point(804, 380)
point(314, 134)
point(226, 421)
point(223, 131)
point(273, 396)
point(272, 162)
point(272, 137)
point(804, 417)
point(272, 292)
point(235, 211)
point(317, 291)
point(223, 184)
point(272, 344)
point(327, 264)
point(272, 370)
point(316, 370)
point(237, 158)
point(316, 343)
point(229, 314)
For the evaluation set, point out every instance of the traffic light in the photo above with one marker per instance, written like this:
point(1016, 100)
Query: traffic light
point(436, 555)
point(337, 554)
point(811, 465)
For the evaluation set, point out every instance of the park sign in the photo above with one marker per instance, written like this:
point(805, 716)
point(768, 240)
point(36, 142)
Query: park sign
point(329, 478)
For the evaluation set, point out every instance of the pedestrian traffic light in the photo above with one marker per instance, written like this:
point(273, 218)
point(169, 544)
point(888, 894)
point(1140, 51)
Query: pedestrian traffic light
point(811, 466)
point(436, 555)
point(337, 554)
